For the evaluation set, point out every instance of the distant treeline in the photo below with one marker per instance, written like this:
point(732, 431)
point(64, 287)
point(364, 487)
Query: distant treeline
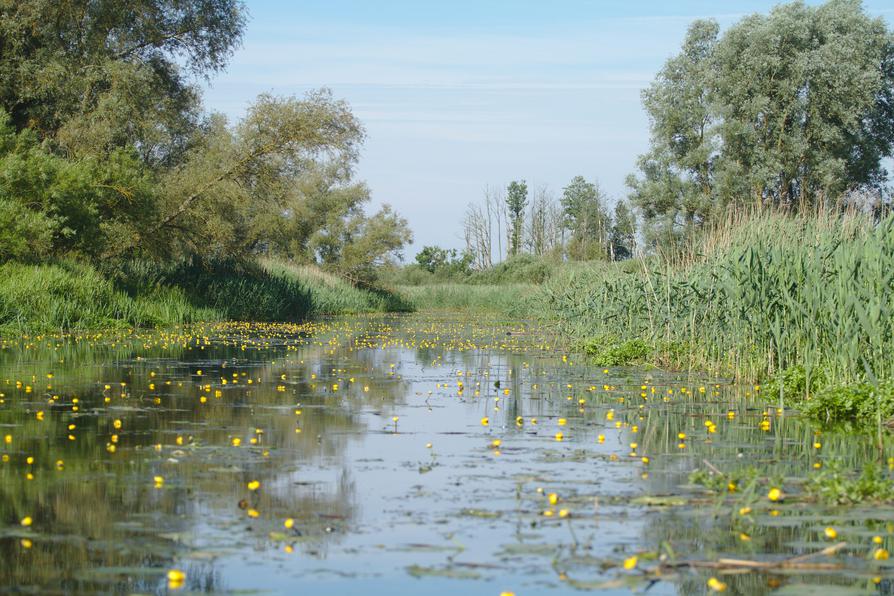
point(788, 112)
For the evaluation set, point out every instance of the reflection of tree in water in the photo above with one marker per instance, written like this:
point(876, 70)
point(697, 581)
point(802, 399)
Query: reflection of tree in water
point(492, 373)
point(100, 510)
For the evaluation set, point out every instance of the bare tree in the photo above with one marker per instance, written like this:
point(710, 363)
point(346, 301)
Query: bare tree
point(495, 205)
point(544, 232)
point(477, 229)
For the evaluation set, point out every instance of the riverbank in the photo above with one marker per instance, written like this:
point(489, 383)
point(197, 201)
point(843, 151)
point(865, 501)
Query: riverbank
point(799, 305)
point(71, 295)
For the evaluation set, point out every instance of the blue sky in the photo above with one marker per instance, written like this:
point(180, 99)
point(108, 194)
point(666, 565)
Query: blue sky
point(457, 96)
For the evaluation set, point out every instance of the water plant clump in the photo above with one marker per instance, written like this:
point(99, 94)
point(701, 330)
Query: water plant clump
point(835, 485)
point(842, 404)
point(608, 351)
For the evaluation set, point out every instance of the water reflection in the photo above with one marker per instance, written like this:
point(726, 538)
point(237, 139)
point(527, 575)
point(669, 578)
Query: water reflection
point(356, 454)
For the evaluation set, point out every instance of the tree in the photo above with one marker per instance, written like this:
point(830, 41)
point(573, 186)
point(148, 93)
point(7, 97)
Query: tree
point(51, 206)
point(583, 204)
point(435, 259)
point(432, 258)
point(789, 110)
point(358, 246)
point(675, 191)
point(516, 200)
point(623, 232)
point(235, 182)
point(805, 94)
point(104, 154)
point(544, 232)
point(95, 76)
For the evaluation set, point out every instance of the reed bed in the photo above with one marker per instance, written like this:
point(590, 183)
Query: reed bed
point(754, 297)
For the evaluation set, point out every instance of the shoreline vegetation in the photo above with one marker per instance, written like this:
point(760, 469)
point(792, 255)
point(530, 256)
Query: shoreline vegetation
point(799, 304)
point(75, 296)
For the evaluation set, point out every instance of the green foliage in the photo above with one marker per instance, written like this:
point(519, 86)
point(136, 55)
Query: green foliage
point(52, 206)
point(71, 295)
point(771, 293)
point(520, 269)
point(511, 300)
point(711, 480)
point(859, 402)
point(583, 205)
point(330, 294)
point(791, 109)
point(516, 200)
point(623, 232)
point(104, 158)
point(523, 269)
point(835, 486)
point(95, 76)
point(793, 383)
point(441, 260)
point(608, 351)
point(366, 244)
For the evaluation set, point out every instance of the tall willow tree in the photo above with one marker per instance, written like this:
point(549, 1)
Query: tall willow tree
point(97, 101)
point(791, 109)
point(95, 75)
point(516, 201)
point(279, 182)
point(583, 204)
point(106, 154)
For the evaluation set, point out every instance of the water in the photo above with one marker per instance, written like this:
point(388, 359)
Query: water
point(376, 437)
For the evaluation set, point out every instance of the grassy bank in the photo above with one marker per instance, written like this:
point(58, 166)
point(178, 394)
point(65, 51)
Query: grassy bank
point(71, 295)
point(804, 304)
point(509, 299)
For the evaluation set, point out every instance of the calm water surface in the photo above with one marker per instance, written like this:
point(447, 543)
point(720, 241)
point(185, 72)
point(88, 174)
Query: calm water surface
point(412, 455)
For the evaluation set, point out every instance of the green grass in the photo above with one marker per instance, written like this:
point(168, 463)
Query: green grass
point(71, 295)
point(329, 294)
point(509, 299)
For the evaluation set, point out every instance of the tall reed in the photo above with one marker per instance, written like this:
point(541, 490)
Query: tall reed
point(752, 297)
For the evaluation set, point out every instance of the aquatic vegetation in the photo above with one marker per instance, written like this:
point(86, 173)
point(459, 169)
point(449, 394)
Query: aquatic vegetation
point(608, 351)
point(866, 402)
point(792, 384)
point(424, 446)
point(800, 302)
point(835, 486)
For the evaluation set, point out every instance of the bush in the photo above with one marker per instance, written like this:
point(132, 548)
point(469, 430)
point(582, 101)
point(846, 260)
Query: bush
point(519, 269)
point(794, 384)
point(606, 351)
point(861, 403)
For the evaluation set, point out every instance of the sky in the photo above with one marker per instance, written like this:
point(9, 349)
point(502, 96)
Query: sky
point(457, 96)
